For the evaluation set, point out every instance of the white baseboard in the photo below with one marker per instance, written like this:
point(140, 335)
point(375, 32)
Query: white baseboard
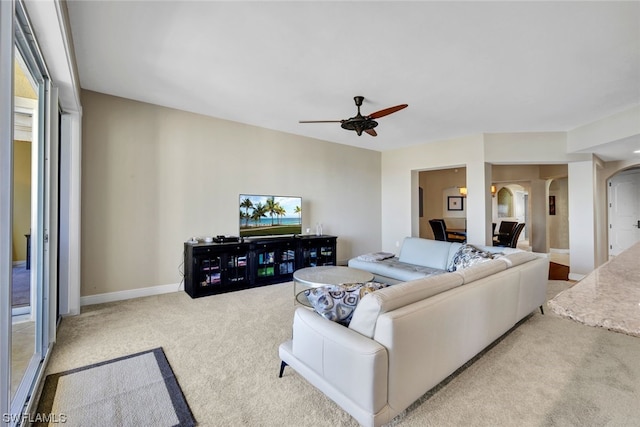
point(129, 294)
point(558, 251)
point(575, 276)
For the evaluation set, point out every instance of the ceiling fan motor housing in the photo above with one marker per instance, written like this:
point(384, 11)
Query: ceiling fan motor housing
point(358, 124)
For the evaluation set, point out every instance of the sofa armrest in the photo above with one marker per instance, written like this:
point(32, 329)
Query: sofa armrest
point(353, 365)
point(534, 277)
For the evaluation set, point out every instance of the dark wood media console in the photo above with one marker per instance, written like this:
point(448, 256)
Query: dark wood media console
point(213, 268)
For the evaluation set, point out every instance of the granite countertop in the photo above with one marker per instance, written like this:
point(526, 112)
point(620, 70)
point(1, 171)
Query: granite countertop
point(608, 297)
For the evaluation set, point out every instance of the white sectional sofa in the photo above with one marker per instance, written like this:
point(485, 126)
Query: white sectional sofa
point(418, 258)
point(406, 338)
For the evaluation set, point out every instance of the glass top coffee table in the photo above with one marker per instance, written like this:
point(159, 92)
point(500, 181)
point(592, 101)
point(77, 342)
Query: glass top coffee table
point(314, 277)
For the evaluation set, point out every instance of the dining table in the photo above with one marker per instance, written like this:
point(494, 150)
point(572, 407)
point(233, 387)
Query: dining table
point(458, 232)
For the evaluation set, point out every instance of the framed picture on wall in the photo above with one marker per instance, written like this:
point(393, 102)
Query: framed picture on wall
point(454, 203)
point(552, 205)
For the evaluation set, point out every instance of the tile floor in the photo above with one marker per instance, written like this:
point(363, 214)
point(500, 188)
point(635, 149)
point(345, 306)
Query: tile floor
point(22, 348)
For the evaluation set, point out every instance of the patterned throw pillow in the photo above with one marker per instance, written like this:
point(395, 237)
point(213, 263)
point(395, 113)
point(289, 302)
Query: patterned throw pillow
point(337, 302)
point(468, 255)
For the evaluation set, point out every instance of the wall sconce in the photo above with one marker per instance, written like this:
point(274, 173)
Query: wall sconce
point(463, 191)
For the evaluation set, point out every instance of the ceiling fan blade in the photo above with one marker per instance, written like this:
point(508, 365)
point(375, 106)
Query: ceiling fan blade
point(320, 121)
point(371, 132)
point(387, 111)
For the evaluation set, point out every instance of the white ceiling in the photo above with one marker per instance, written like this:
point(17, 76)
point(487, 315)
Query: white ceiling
point(463, 67)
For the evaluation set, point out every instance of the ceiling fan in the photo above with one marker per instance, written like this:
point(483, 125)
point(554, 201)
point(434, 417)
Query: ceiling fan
point(360, 123)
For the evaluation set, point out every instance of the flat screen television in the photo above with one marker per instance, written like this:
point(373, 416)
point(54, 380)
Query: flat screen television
point(262, 215)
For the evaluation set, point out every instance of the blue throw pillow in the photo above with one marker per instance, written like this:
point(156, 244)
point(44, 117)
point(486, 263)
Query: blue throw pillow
point(337, 302)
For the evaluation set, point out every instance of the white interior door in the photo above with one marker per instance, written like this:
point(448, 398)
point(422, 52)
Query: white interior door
point(624, 211)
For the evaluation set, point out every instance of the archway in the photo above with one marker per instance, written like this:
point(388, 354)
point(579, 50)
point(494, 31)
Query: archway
point(505, 203)
point(512, 204)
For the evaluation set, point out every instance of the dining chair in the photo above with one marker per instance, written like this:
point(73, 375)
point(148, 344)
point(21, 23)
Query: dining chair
point(510, 240)
point(503, 236)
point(439, 228)
point(507, 227)
point(513, 242)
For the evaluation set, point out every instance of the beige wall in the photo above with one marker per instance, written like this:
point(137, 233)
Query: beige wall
point(21, 198)
point(559, 223)
point(152, 177)
point(21, 173)
point(400, 182)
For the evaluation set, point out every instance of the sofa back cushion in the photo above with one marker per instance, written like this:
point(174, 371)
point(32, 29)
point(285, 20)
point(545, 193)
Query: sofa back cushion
point(517, 258)
point(481, 270)
point(374, 304)
point(427, 252)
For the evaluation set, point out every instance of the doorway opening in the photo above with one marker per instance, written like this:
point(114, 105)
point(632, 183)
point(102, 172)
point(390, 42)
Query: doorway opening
point(623, 210)
point(511, 203)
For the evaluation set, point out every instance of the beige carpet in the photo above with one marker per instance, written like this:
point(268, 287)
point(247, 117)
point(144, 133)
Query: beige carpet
point(223, 350)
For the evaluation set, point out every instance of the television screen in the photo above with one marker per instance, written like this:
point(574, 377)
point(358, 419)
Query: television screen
point(270, 215)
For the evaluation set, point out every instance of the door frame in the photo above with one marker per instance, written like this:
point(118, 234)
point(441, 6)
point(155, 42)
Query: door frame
point(7, 44)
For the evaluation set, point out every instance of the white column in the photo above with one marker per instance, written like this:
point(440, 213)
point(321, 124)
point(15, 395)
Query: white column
point(70, 175)
point(478, 203)
point(581, 218)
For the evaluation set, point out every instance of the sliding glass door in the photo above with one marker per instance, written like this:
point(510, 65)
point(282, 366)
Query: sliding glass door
point(28, 214)
point(26, 194)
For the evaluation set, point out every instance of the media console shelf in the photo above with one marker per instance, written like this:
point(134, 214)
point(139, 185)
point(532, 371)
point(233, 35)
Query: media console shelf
point(214, 268)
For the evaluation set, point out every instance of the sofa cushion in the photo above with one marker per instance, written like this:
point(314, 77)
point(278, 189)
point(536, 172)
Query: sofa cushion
point(426, 252)
point(372, 305)
point(394, 269)
point(375, 256)
point(337, 302)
